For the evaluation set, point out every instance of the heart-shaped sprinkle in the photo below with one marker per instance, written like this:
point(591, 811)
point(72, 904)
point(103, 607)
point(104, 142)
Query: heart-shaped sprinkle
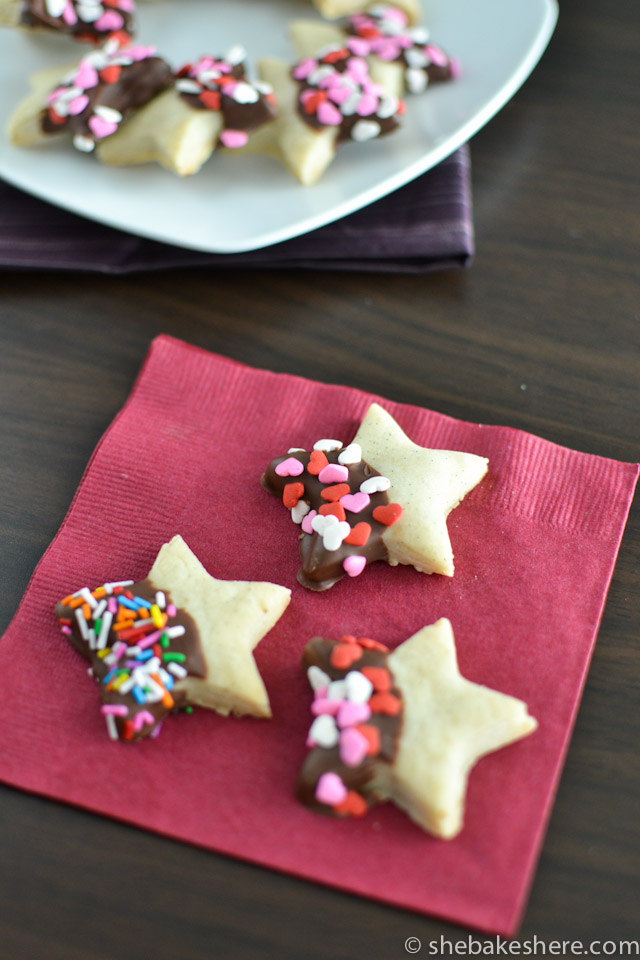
point(210, 99)
point(69, 15)
point(86, 77)
point(365, 130)
point(416, 80)
point(304, 68)
point(337, 690)
point(348, 638)
point(416, 58)
point(336, 492)
point(55, 8)
point(357, 688)
point(351, 454)
point(355, 502)
point(323, 732)
point(370, 644)
point(359, 46)
point(233, 139)
point(359, 534)
point(349, 714)
point(290, 468)
point(78, 104)
point(324, 705)
point(333, 473)
point(308, 520)
point(299, 512)
point(317, 462)
point(245, 93)
point(353, 566)
point(379, 676)
point(385, 703)
point(388, 513)
point(373, 736)
point(375, 485)
point(336, 509)
point(330, 790)
point(343, 655)
point(101, 128)
point(354, 805)
point(296, 450)
point(353, 747)
point(292, 493)
point(317, 677)
point(109, 114)
point(327, 445)
point(110, 20)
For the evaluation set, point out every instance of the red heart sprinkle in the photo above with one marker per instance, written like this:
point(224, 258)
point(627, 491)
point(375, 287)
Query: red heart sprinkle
point(359, 534)
point(402, 108)
point(336, 491)
point(348, 638)
point(344, 654)
point(335, 508)
point(372, 644)
point(292, 493)
point(379, 676)
point(385, 703)
point(388, 513)
point(373, 736)
point(317, 462)
point(335, 55)
point(210, 98)
point(111, 74)
point(121, 37)
point(353, 805)
point(55, 117)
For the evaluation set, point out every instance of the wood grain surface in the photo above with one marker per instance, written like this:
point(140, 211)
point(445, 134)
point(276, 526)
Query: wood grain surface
point(541, 333)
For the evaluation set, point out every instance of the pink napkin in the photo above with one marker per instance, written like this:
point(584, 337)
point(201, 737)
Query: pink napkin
point(535, 545)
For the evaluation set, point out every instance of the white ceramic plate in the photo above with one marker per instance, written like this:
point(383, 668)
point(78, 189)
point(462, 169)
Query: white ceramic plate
point(242, 203)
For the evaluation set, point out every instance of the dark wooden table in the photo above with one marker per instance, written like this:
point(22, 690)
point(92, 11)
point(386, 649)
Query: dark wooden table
point(541, 333)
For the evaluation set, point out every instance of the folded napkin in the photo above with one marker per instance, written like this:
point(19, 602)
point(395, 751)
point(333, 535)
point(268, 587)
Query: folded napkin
point(424, 226)
point(535, 545)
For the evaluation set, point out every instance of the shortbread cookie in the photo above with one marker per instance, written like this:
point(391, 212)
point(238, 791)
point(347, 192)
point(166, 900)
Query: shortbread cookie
point(381, 497)
point(212, 104)
point(401, 58)
point(402, 726)
point(91, 100)
point(325, 101)
point(87, 21)
point(177, 638)
point(332, 9)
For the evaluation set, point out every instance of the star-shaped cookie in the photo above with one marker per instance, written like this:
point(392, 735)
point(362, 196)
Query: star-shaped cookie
point(381, 497)
point(403, 726)
point(177, 638)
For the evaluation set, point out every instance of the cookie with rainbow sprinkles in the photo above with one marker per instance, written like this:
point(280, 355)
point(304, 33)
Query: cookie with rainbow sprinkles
point(380, 497)
point(177, 639)
point(402, 726)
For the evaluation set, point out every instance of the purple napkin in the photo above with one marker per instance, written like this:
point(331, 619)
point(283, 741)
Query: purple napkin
point(422, 227)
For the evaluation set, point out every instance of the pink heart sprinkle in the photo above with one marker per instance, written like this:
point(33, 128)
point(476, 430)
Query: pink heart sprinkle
point(329, 116)
point(330, 790)
point(69, 15)
point(234, 139)
point(368, 104)
point(78, 104)
point(355, 502)
point(110, 20)
point(56, 93)
point(353, 566)
point(386, 49)
point(86, 77)
point(455, 67)
point(140, 53)
point(306, 523)
point(354, 747)
point(358, 46)
point(436, 55)
point(127, 5)
point(357, 68)
point(333, 472)
point(101, 128)
point(351, 713)
point(303, 69)
point(393, 13)
point(290, 468)
point(322, 705)
point(339, 94)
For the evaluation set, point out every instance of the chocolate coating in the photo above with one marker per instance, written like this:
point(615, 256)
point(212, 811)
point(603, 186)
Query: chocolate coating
point(34, 14)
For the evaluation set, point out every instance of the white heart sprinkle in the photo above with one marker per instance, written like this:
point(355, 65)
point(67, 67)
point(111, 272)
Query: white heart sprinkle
point(188, 86)
point(349, 107)
point(84, 144)
point(416, 57)
point(89, 12)
point(317, 677)
point(327, 445)
point(206, 76)
point(387, 107)
point(55, 8)
point(418, 34)
point(337, 690)
point(108, 114)
point(416, 80)
point(299, 512)
point(332, 530)
point(358, 687)
point(235, 55)
point(296, 450)
point(245, 93)
point(365, 130)
point(375, 485)
point(323, 731)
point(351, 454)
